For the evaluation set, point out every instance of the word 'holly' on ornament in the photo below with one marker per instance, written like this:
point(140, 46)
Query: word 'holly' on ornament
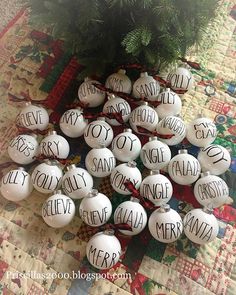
point(181, 79)
point(119, 82)
point(146, 86)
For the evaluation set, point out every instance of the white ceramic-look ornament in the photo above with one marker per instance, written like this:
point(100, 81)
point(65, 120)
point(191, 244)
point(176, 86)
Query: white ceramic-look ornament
point(165, 224)
point(95, 209)
point(146, 86)
point(181, 79)
point(214, 158)
point(126, 146)
point(58, 210)
point(103, 250)
point(47, 177)
point(16, 185)
point(72, 123)
point(211, 190)
point(155, 154)
point(200, 226)
point(132, 213)
point(156, 188)
point(184, 168)
point(91, 95)
point(98, 132)
point(23, 149)
point(54, 145)
point(122, 173)
point(77, 182)
point(119, 82)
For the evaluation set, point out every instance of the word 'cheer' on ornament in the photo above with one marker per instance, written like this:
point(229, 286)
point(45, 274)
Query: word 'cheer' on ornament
point(146, 86)
point(181, 79)
point(119, 82)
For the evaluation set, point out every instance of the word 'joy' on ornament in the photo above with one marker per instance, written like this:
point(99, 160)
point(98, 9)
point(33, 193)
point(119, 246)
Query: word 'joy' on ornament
point(180, 79)
point(119, 82)
point(146, 86)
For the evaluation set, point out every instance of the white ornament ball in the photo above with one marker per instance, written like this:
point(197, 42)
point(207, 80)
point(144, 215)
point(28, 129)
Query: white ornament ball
point(184, 168)
point(181, 79)
point(119, 82)
point(214, 158)
point(95, 209)
point(77, 182)
point(125, 172)
point(23, 149)
point(126, 146)
point(165, 224)
point(146, 86)
point(103, 250)
point(58, 210)
point(16, 185)
point(200, 226)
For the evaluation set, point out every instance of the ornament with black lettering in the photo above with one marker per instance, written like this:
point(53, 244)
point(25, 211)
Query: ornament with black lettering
point(122, 173)
point(165, 224)
point(72, 123)
point(156, 188)
point(54, 145)
point(58, 210)
point(119, 82)
point(126, 146)
point(16, 185)
point(103, 250)
point(180, 79)
point(146, 86)
point(184, 168)
point(47, 177)
point(91, 95)
point(77, 182)
point(23, 149)
point(95, 209)
point(98, 131)
point(214, 158)
point(200, 225)
point(211, 190)
point(155, 154)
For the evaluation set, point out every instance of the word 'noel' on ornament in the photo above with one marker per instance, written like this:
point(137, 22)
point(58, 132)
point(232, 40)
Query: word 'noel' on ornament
point(77, 182)
point(200, 225)
point(46, 177)
point(156, 188)
point(95, 209)
point(165, 224)
point(146, 86)
point(122, 173)
point(119, 82)
point(211, 190)
point(23, 149)
point(89, 94)
point(16, 185)
point(171, 125)
point(214, 158)
point(155, 154)
point(98, 131)
point(58, 210)
point(126, 146)
point(180, 79)
point(73, 123)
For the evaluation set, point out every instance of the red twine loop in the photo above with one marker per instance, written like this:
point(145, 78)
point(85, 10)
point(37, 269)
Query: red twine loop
point(78, 104)
point(115, 227)
point(116, 115)
point(153, 133)
point(25, 130)
point(42, 157)
point(192, 64)
point(13, 98)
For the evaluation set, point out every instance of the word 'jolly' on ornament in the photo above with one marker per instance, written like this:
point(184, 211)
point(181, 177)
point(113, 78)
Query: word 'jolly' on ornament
point(123, 172)
point(214, 158)
point(72, 123)
point(98, 131)
point(119, 82)
point(95, 209)
point(23, 149)
point(200, 226)
point(155, 154)
point(46, 177)
point(165, 224)
point(126, 146)
point(143, 116)
point(146, 86)
point(211, 190)
point(156, 188)
point(103, 250)
point(77, 182)
point(91, 95)
point(184, 168)
point(201, 132)
point(16, 185)
point(181, 79)
point(54, 145)
point(58, 210)
point(132, 213)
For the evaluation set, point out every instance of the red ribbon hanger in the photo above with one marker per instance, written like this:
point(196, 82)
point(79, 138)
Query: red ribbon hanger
point(153, 133)
point(42, 157)
point(116, 227)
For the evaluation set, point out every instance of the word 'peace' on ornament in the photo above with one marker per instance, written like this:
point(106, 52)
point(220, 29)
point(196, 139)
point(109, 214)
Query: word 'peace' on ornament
point(180, 79)
point(146, 86)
